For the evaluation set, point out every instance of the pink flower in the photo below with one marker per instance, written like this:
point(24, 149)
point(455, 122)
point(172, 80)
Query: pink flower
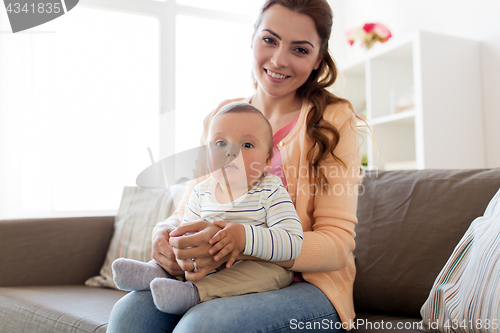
point(382, 31)
point(369, 26)
point(368, 34)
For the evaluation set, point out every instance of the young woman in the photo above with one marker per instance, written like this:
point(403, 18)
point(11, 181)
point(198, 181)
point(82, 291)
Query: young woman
point(318, 159)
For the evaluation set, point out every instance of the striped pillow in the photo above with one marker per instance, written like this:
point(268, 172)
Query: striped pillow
point(140, 210)
point(466, 294)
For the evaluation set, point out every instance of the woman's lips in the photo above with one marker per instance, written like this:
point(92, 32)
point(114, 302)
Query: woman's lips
point(274, 76)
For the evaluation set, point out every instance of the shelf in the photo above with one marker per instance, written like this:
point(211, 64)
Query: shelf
point(405, 117)
point(418, 74)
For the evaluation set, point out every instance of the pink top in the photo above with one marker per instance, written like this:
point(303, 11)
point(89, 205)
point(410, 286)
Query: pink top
point(276, 163)
point(277, 166)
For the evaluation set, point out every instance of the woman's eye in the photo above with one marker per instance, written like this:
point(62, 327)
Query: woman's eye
point(248, 145)
point(268, 40)
point(220, 143)
point(301, 50)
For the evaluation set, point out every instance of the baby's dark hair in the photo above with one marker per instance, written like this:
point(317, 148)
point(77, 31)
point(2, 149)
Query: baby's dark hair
point(247, 107)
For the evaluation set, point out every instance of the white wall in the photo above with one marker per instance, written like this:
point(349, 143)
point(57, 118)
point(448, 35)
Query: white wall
point(478, 20)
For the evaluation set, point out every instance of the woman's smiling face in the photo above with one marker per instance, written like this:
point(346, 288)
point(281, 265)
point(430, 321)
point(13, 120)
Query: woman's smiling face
point(286, 50)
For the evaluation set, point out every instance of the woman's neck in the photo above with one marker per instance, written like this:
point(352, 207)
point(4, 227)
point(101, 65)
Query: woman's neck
point(273, 107)
point(278, 111)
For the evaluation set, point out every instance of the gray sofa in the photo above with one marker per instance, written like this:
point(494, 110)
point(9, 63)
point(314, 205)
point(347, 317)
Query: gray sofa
point(409, 224)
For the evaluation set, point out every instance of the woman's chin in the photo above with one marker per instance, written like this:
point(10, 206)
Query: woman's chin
point(276, 92)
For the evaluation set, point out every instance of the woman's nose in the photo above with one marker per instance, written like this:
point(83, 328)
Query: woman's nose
point(280, 57)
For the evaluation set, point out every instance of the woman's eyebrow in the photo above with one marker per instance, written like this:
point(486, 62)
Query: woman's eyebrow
point(294, 42)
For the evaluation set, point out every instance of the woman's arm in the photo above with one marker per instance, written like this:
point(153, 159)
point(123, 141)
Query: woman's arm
point(329, 244)
point(161, 250)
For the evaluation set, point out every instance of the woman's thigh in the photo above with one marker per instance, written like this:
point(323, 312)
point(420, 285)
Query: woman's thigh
point(300, 307)
point(137, 313)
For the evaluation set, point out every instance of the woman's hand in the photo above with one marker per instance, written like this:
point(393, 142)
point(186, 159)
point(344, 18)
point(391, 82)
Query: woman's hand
point(162, 252)
point(230, 241)
point(194, 246)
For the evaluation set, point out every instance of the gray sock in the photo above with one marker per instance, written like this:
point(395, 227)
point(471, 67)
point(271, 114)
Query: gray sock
point(174, 296)
point(131, 275)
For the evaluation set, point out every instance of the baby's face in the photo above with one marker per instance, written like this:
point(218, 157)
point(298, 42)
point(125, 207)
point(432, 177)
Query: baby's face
point(249, 133)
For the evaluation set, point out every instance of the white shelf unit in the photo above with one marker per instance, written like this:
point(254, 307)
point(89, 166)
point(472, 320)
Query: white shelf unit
point(422, 96)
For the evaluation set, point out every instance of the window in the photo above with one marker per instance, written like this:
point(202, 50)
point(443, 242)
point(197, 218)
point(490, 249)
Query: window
point(213, 64)
point(83, 96)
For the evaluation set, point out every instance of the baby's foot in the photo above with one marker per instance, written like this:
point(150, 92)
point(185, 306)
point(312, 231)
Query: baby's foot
point(174, 296)
point(133, 275)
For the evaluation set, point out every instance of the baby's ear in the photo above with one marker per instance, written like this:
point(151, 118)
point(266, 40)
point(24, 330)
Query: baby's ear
point(268, 162)
point(266, 168)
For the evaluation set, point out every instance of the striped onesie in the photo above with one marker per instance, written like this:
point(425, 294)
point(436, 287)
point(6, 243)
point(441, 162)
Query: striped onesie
point(273, 232)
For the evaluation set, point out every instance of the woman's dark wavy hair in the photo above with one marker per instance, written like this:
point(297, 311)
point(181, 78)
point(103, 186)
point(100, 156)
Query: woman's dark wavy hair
point(324, 135)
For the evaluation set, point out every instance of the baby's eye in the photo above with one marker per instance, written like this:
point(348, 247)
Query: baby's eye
point(248, 145)
point(220, 143)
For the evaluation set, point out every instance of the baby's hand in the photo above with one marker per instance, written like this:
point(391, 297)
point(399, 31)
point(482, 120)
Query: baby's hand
point(230, 240)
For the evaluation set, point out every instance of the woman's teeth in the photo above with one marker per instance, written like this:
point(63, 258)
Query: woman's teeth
point(275, 75)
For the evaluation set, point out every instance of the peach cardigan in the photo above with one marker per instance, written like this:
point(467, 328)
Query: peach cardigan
point(328, 216)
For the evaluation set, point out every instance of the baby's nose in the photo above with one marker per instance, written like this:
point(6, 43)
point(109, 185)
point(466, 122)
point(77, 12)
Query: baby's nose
point(232, 150)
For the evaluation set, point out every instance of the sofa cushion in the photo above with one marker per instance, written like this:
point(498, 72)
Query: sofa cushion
point(466, 294)
point(53, 251)
point(55, 309)
point(409, 222)
point(140, 210)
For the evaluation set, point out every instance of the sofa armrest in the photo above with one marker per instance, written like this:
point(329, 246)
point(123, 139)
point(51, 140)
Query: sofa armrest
point(53, 251)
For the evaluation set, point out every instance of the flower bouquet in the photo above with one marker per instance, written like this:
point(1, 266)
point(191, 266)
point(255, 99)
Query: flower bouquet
point(369, 34)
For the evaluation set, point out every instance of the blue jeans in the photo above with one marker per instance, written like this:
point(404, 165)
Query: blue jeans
point(301, 307)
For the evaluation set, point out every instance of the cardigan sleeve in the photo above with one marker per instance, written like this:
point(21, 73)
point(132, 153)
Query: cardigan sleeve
point(329, 244)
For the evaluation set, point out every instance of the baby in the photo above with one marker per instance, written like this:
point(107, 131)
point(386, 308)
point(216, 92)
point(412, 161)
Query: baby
point(242, 194)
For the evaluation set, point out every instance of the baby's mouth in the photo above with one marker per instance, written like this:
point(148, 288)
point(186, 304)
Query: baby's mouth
point(231, 166)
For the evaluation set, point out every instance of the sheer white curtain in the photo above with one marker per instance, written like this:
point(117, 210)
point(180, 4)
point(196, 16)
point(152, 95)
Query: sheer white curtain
point(78, 107)
point(83, 96)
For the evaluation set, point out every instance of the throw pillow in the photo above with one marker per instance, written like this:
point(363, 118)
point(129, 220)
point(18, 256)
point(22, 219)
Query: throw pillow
point(466, 294)
point(140, 210)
